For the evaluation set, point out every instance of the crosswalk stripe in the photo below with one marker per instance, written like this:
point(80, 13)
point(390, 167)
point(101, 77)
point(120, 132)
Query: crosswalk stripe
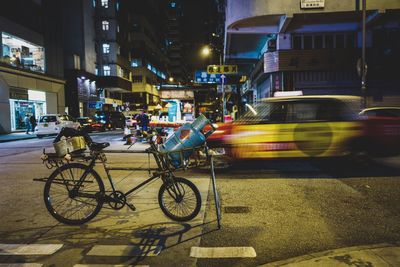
point(29, 249)
point(108, 265)
point(21, 265)
point(223, 252)
point(124, 250)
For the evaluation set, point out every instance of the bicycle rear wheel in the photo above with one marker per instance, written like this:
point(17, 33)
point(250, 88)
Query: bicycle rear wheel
point(73, 207)
point(179, 199)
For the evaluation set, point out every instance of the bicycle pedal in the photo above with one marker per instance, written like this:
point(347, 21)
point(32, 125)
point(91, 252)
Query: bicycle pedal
point(131, 206)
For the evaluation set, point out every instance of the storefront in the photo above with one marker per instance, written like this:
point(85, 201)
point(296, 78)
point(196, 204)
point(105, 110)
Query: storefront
point(34, 103)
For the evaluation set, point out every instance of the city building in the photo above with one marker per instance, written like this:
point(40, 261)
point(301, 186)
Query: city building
point(314, 47)
point(81, 92)
point(148, 56)
point(174, 43)
point(31, 62)
point(113, 44)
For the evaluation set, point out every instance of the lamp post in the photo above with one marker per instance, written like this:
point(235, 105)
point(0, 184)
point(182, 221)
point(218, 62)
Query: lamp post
point(206, 52)
point(363, 60)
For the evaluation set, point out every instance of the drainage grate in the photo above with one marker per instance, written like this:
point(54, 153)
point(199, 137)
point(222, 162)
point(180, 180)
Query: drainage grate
point(237, 209)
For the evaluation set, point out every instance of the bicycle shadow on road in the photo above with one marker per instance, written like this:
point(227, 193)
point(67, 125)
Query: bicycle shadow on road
point(140, 243)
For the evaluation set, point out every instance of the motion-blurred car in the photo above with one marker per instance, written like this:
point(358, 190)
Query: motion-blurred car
point(386, 112)
point(293, 127)
point(52, 124)
point(383, 127)
point(108, 120)
point(86, 123)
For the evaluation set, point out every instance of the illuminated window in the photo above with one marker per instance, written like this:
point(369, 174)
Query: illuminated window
point(104, 3)
point(136, 62)
point(106, 48)
point(106, 70)
point(105, 24)
point(22, 53)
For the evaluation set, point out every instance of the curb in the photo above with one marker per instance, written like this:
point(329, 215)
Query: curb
point(326, 253)
point(11, 140)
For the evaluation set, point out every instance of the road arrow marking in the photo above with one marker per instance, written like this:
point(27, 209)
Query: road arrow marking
point(223, 252)
point(29, 249)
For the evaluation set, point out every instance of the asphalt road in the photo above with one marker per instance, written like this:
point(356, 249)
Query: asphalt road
point(280, 209)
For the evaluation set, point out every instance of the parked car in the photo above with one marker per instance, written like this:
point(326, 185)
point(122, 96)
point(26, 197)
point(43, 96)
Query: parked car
point(293, 127)
point(130, 120)
point(86, 123)
point(108, 120)
point(51, 124)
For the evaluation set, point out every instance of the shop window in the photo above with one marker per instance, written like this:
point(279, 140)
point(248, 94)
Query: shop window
point(106, 48)
point(22, 54)
point(339, 41)
point(350, 40)
point(105, 25)
point(329, 41)
point(318, 42)
point(106, 70)
point(104, 3)
point(307, 42)
point(296, 42)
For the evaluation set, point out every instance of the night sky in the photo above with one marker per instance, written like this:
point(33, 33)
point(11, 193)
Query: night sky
point(199, 22)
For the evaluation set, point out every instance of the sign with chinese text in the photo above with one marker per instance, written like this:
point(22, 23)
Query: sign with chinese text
point(204, 77)
point(222, 69)
point(312, 3)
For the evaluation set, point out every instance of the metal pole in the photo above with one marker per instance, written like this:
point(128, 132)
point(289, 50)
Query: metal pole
point(363, 60)
point(223, 88)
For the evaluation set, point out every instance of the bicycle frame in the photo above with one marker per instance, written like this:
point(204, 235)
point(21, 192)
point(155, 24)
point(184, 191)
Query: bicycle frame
point(163, 171)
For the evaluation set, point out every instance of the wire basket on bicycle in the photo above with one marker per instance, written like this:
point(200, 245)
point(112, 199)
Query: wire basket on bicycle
point(186, 142)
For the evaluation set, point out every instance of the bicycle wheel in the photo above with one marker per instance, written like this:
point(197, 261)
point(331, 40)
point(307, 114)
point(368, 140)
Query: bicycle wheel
point(180, 200)
point(70, 206)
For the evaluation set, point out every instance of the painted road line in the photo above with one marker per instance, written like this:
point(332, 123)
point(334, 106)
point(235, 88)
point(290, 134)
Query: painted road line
point(223, 252)
point(21, 265)
point(29, 249)
point(108, 265)
point(124, 251)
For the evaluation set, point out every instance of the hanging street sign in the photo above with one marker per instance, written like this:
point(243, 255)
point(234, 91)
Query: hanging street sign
point(222, 69)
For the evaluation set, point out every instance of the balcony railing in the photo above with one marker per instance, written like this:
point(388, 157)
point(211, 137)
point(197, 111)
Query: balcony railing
point(318, 59)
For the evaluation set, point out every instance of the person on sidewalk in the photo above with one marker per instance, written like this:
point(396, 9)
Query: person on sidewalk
point(32, 121)
point(27, 123)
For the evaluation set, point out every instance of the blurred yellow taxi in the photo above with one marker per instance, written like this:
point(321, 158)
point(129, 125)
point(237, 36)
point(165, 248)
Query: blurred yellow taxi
point(295, 127)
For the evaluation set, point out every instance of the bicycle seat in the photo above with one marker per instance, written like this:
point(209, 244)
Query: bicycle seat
point(98, 146)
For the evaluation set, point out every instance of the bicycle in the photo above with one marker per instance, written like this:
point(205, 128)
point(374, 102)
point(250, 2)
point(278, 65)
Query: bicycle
point(74, 193)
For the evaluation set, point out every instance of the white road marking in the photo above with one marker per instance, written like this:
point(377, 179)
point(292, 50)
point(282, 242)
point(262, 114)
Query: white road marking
point(21, 265)
point(124, 250)
point(29, 249)
point(223, 252)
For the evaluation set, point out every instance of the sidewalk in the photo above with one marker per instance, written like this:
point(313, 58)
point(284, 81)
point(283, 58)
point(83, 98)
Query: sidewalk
point(16, 136)
point(380, 255)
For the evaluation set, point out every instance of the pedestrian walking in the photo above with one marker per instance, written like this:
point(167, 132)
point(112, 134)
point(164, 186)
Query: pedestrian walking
point(27, 123)
point(32, 121)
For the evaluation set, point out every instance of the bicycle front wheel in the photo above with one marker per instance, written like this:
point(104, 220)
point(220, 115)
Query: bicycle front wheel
point(179, 199)
point(70, 205)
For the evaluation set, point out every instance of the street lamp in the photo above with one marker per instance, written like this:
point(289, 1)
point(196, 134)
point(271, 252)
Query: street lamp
point(171, 79)
point(206, 51)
